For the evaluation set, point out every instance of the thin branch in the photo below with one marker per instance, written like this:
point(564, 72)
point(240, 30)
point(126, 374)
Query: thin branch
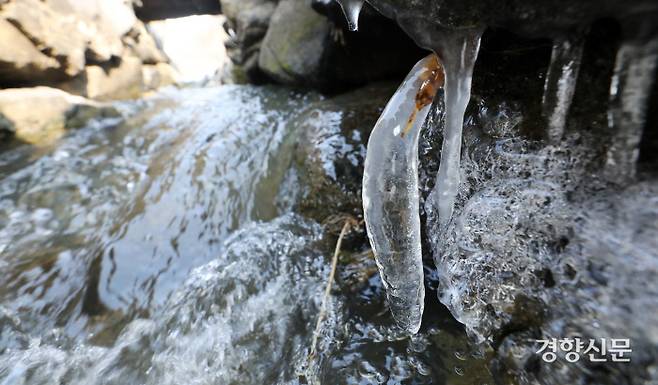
point(349, 222)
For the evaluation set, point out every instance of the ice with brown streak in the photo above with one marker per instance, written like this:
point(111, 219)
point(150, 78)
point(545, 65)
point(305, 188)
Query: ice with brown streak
point(390, 192)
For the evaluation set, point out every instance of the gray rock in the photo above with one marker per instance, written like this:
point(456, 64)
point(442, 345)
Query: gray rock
point(296, 42)
point(246, 25)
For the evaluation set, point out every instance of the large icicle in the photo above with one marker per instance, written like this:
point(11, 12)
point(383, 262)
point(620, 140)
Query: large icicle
point(629, 96)
point(560, 84)
point(351, 9)
point(390, 192)
point(458, 50)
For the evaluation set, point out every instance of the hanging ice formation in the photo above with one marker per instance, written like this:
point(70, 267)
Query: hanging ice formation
point(630, 90)
point(390, 192)
point(458, 51)
point(351, 9)
point(561, 83)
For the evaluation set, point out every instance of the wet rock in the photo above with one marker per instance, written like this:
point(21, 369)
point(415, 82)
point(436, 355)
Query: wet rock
point(57, 111)
point(20, 60)
point(331, 148)
point(121, 81)
point(246, 25)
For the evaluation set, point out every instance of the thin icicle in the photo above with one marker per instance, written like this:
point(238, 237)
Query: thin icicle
point(630, 90)
point(351, 9)
point(458, 50)
point(561, 83)
point(390, 192)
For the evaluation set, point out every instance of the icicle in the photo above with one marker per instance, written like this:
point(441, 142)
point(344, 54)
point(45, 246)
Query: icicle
point(390, 192)
point(458, 50)
point(561, 83)
point(629, 96)
point(351, 9)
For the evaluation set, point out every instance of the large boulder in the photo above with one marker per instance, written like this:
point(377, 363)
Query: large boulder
point(58, 110)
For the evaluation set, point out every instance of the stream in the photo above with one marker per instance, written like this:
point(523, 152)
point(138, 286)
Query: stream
point(163, 248)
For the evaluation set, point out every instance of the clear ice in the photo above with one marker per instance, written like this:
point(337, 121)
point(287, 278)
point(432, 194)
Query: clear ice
point(458, 51)
point(561, 83)
point(351, 9)
point(390, 192)
point(630, 90)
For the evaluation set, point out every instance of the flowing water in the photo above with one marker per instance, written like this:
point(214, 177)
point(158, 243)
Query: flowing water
point(163, 248)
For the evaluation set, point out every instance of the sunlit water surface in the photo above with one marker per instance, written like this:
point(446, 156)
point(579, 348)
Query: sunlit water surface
point(162, 248)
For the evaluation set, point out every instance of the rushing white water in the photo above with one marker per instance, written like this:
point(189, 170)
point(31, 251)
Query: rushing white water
point(351, 9)
point(458, 51)
point(390, 192)
point(561, 83)
point(629, 96)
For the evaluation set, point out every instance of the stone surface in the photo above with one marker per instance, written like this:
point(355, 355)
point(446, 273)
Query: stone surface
point(49, 31)
point(57, 110)
point(101, 22)
point(20, 60)
point(121, 81)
